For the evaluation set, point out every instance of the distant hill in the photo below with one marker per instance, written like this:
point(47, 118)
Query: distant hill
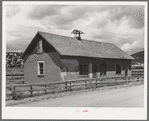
point(139, 57)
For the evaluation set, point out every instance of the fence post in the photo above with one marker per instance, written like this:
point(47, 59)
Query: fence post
point(65, 85)
point(101, 81)
point(115, 79)
point(13, 92)
point(45, 89)
point(85, 84)
point(126, 79)
point(31, 90)
point(96, 83)
point(70, 86)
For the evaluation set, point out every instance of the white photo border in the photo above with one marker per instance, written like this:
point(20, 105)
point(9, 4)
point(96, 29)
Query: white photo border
point(70, 112)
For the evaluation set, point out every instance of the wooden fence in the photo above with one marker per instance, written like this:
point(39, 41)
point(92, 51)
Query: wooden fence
point(137, 71)
point(14, 75)
point(18, 91)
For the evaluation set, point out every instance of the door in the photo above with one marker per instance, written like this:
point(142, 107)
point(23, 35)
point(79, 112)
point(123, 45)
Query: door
point(94, 71)
point(103, 69)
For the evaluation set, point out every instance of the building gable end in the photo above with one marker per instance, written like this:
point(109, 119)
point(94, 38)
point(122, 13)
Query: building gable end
point(32, 48)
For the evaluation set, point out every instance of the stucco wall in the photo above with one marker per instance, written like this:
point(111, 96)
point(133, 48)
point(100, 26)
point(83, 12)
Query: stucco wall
point(52, 70)
point(59, 68)
point(76, 61)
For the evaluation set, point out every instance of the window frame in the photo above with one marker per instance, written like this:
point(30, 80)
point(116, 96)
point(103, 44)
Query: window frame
point(38, 71)
point(84, 70)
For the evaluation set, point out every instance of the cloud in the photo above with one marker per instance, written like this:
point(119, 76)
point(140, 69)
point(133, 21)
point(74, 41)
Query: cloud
point(63, 17)
point(107, 23)
point(22, 31)
point(130, 11)
point(137, 44)
point(18, 44)
point(21, 38)
point(12, 10)
point(42, 11)
point(121, 34)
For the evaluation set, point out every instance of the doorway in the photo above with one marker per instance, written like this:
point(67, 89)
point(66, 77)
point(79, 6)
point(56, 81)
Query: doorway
point(103, 69)
point(118, 69)
point(94, 71)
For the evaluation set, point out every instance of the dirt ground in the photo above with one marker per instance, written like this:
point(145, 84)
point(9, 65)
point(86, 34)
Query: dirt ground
point(116, 96)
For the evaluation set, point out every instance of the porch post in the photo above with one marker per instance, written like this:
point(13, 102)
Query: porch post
point(90, 70)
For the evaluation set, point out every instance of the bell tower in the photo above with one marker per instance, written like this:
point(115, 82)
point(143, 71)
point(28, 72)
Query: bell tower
point(77, 34)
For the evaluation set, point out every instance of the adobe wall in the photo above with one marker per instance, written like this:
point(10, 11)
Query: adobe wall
point(52, 70)
point(52, 64)
point(59, 68)
point(71, 65)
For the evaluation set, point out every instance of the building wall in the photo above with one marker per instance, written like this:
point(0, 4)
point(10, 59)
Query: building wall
point(70, 68)
point(52, 70)
point(59, 68)
point(51, 59)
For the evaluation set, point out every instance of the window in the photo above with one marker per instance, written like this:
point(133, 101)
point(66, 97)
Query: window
point(83, 70)
point(118, 69)
point(41, 68)
point(39, 46)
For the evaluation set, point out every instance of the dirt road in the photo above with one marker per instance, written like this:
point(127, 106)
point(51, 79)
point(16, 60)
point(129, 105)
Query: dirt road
point(122, 97)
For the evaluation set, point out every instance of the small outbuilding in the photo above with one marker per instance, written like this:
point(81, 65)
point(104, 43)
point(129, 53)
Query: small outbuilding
point(50, 58)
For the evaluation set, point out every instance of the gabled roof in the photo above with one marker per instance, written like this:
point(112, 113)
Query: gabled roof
point(70, 46)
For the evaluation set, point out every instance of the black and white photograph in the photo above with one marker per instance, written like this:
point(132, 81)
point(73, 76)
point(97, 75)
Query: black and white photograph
point(74, 60)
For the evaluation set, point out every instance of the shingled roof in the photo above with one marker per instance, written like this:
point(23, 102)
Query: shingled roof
point(70, 46)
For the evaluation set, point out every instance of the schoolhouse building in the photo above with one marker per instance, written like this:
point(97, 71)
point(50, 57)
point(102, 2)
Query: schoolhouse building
point(50, 58)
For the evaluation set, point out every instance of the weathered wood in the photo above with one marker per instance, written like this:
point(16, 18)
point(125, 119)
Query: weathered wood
point(31, 90)
point(65, 86)
point(13, 92)
point(63, 82)
point(45, 89)
point(96, 84)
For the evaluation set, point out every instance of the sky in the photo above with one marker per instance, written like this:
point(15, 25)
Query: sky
point(122, 25)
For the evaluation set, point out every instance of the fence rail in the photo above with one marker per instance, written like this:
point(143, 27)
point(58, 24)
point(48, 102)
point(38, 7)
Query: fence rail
point(17, 91)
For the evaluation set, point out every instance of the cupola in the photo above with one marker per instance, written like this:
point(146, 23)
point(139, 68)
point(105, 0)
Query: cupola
point(77, 34)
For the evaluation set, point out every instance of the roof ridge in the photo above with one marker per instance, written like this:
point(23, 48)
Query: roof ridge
point(55, 34)
point(74, 38)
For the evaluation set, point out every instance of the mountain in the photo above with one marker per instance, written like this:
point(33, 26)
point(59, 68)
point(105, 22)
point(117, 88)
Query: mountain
point(139, 57)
